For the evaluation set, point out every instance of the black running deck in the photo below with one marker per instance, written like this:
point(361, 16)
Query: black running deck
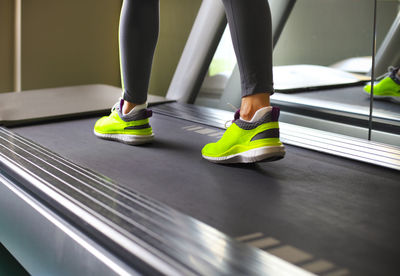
point(327, 208)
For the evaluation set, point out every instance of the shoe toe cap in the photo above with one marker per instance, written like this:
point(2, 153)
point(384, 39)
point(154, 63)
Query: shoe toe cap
point(208, 149)
point(99, 123)
point(367, 88)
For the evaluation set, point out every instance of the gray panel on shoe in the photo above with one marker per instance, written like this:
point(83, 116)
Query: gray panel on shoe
point(269, 133)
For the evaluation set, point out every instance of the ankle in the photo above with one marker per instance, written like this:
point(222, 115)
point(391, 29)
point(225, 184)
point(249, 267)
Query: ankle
point(247, 113)
point(127, 107)
point(251, 104)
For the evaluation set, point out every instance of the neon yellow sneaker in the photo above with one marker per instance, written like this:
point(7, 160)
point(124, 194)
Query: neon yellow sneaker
point(248, 142)
point(387, 88)
point(133, 128)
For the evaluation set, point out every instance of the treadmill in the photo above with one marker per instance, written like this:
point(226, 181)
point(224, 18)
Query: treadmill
point(73, 204)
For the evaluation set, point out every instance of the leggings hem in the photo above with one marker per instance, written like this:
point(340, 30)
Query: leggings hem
point(258, 90)
point(135, 99)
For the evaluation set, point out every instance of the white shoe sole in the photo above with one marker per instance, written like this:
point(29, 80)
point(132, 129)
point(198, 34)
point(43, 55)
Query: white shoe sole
point(266, 154)
point(388, 98)
point(126, 138)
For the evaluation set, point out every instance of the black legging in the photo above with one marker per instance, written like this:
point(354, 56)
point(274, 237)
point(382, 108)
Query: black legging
point(250, 26)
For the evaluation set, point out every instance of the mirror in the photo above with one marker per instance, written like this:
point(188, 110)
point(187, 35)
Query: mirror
point(386, 104)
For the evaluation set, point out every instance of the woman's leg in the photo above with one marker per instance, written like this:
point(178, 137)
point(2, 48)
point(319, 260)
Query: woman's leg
point(254, 133)
point(139, 25)
point(138, 34)
point(251, 31)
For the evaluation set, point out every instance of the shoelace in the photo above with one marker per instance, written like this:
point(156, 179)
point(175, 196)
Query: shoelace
point(117, 105)
point(391, 71)
point(236, 116)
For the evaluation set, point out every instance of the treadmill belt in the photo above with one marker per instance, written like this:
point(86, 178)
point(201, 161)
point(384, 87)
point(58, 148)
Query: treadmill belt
point(334, 209)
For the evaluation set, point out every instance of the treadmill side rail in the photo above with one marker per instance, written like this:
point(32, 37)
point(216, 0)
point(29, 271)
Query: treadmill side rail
point(47, 244)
